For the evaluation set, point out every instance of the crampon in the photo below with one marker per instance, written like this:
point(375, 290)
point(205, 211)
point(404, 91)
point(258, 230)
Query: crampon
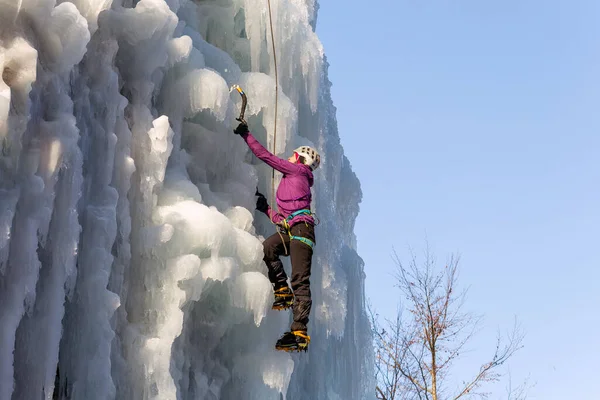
point(284, 298)
point(294, 341)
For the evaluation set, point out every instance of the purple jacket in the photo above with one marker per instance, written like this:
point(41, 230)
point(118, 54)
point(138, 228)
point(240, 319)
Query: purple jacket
point(293, 193)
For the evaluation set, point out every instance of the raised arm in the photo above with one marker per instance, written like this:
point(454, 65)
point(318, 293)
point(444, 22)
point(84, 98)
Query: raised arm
point(281, 165)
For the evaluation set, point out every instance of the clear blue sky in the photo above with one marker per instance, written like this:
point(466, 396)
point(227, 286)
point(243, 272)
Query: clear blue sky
point(476, 124)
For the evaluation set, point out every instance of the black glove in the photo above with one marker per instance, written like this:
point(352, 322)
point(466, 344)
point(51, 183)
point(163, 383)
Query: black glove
point(241, 129)
point(261, 203)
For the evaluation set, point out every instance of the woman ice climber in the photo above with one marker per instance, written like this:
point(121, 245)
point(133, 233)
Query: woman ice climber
point(296, 236)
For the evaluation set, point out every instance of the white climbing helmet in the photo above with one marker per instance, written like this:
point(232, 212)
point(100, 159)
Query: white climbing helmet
point(311, 157)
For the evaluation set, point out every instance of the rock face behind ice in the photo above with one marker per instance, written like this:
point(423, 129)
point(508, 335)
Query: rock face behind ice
point(130, 252)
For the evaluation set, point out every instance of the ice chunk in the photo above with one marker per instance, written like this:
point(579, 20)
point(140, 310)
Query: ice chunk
point(241, 218)
point(219, 269)
point(215, 58)
point(144, 34)
point(201, 89)
point(273, 369)
point(19, 66)
point(199, 229)
point(90, 9)
point(253, 291)
point(250, 251)
point(67, 36)
point(186, 270)
point(179, 49)
point(178, 188)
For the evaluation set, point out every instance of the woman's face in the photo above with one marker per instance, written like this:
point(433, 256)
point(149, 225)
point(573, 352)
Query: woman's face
point(293, 158)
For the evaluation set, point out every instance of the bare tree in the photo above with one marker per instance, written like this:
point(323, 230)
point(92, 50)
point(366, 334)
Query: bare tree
point(518, 392)
point(414, 354)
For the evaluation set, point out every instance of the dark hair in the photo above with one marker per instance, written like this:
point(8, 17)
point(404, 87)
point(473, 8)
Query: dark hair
point(301, 159)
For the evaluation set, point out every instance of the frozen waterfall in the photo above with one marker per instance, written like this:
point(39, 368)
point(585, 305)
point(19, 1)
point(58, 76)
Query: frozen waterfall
point(130, 252)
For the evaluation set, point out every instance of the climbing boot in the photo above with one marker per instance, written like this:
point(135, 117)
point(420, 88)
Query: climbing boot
point(284, 298)
point(293, 341)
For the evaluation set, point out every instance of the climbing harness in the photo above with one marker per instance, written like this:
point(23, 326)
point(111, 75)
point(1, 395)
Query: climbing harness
point(288, 229)
point(304, 211)
point(303, 240)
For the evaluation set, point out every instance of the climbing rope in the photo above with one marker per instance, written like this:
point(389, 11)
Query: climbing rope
point(276, 99)
point(241, 119)
point(274, 123)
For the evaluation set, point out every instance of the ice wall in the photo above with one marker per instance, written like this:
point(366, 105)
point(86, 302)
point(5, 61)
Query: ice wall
point(130, 252)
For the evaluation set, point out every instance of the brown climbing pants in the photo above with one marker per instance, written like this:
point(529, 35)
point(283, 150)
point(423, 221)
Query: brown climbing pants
point(301, 258)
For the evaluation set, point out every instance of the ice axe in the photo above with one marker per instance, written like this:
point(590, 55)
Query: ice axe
point(244, 102)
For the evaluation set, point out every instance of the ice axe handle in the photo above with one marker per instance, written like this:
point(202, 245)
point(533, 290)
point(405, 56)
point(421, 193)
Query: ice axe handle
point(244, 102)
